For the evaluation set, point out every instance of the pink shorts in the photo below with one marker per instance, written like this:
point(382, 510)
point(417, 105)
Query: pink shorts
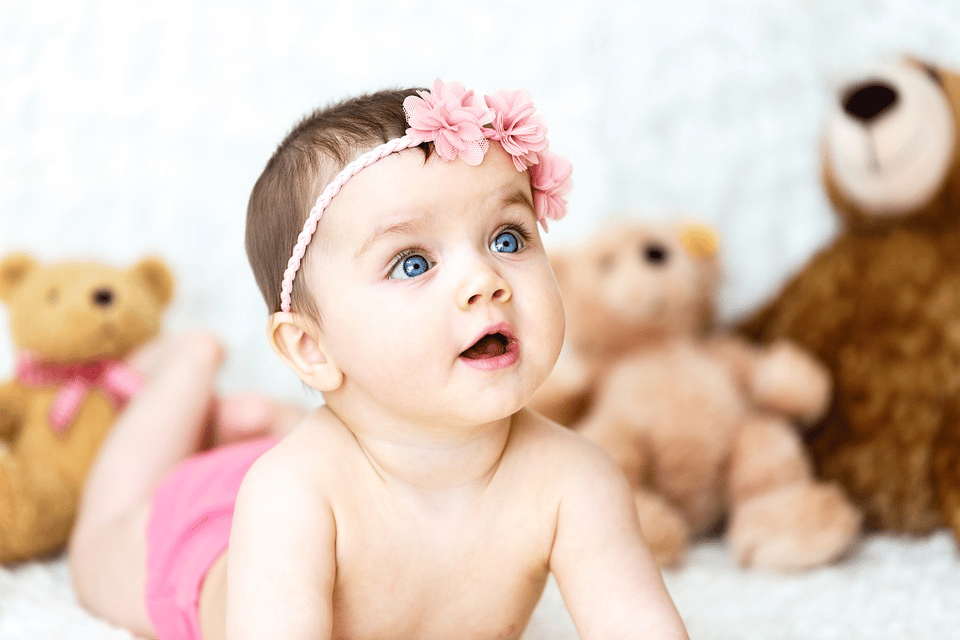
point(189, 528)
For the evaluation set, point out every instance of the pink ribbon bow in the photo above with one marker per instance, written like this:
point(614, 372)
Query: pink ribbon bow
point(116, 378)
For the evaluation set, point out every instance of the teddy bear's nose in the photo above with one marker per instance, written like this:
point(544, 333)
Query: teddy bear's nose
point(103, 297)
point(868, 100)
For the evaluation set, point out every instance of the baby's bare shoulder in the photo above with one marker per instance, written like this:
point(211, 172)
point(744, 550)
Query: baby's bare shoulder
point(556, 450)
point(306, 461)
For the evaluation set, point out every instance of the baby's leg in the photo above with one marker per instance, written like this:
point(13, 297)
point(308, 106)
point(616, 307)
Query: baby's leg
point(160, 426)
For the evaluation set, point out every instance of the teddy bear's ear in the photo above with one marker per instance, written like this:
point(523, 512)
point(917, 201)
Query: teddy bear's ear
point(156, 275)
point(700, 240)
point(917, 61)
point(13, 269)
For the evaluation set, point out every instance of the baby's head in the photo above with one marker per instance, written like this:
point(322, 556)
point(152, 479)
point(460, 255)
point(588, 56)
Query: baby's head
point(317, 148)
point(428, 202)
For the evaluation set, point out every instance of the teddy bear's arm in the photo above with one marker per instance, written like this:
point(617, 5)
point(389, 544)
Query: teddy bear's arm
point(12, 407)
point(782, 377)
point(790, 380)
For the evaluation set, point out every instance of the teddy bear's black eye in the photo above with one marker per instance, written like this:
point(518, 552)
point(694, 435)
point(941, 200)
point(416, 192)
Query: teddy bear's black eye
point(53, 296)
point(655, 253)
point(103, 297)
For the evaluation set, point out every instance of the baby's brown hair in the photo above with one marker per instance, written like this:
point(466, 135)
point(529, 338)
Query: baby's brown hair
point(317, 148)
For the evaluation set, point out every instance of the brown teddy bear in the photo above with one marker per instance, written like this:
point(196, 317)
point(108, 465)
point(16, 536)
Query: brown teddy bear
point(880, 304)
point(702, 425)
point(72, 323)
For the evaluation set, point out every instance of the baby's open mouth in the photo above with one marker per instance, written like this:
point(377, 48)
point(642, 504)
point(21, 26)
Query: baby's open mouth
point(489, 346)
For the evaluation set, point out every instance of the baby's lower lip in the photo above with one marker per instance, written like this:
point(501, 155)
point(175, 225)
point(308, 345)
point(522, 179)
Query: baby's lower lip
point(493, 363)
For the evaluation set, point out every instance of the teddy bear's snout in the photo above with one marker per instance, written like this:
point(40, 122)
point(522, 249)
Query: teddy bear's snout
point(866, 101)
point(103, 296)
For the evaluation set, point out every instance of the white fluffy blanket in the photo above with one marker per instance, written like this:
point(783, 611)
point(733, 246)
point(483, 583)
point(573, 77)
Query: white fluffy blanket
point(130, 127)
point(888, 589)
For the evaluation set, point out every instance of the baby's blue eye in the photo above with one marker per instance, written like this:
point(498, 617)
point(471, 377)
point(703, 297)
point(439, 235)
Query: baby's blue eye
point(410, 267)
point(506, 242)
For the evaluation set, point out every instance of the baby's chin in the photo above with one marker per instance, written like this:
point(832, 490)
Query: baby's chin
point(504, 411)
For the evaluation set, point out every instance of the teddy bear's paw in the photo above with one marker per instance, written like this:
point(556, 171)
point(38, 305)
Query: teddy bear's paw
point(665, 530)
point(799, 526)
point(790, 380)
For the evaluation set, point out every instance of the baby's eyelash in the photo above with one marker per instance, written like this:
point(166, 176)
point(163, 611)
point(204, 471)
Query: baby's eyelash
point(518, 228)
point(406, 253)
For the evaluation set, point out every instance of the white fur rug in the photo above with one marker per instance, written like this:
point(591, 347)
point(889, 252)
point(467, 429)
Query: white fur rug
point(136, 127)
point(888, 589)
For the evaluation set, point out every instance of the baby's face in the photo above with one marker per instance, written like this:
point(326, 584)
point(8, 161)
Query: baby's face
point(437, 297)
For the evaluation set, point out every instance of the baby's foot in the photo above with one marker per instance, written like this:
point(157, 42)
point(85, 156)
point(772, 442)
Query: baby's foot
point(798, 526)
point(246, 416)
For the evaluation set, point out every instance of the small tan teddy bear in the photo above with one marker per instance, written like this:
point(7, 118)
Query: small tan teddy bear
point(704, 426)
point(72, 323)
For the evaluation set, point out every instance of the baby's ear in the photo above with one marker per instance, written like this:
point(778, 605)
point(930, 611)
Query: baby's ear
point(299, 343)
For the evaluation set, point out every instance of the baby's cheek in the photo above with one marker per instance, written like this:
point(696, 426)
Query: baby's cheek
point(552, 322)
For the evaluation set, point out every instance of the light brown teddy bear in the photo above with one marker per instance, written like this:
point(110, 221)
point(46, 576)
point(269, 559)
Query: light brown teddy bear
point(611, 312)
point(703, 426)
point(72, 323)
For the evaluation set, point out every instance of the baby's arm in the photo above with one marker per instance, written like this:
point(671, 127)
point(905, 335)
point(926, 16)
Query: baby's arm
point(281, 561)
point(609, 582)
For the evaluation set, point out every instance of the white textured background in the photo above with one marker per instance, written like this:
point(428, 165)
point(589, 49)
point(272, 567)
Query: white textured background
point(132, 127)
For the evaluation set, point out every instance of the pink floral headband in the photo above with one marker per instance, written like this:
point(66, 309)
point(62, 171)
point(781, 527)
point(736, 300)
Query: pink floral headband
point(459, 124)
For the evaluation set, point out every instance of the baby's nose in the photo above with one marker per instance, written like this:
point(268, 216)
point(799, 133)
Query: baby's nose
point(499, 293)
point(483, 283)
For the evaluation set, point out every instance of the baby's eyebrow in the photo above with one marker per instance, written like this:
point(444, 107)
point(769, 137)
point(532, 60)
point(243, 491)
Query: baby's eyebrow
point(517, 196)
point(401, 228)
point(417, 225)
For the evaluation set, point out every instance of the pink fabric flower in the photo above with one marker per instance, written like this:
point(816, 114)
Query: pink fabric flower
point(456, 122)
point(521, 133)
point(452, 118)
point(550, 179)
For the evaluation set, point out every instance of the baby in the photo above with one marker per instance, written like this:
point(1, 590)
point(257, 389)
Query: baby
point(421, 501)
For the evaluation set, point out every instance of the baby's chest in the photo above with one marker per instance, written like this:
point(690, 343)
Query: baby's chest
point(417, 578)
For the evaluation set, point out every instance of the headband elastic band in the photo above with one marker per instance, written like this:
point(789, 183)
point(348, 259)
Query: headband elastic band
point(460, 125)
